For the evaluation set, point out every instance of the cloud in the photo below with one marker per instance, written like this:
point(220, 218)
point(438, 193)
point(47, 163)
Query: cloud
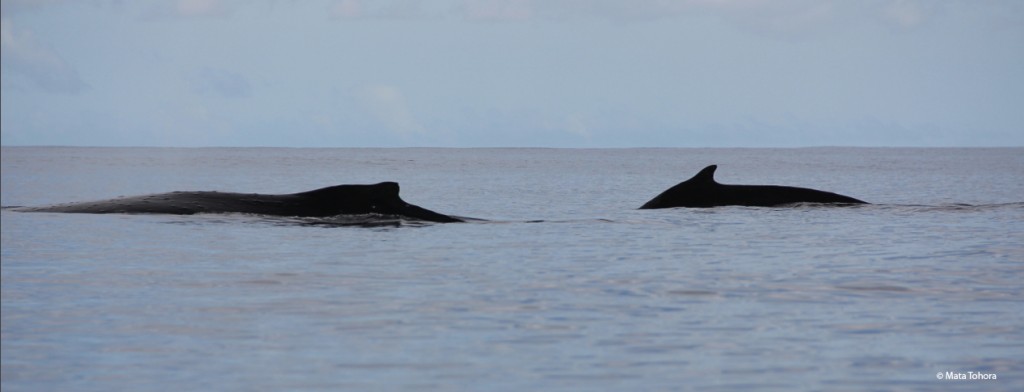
point(498, 10)
point(22, 54)
point(193, 8)
point(906, 13)
point(614, 10)
point(781, 18)
point(379, 9)
point(8, 7)
point(346, 9)
point(387, 105)
point(172, 9)
point(220, 82)
point(772, 17)
point(574, 124)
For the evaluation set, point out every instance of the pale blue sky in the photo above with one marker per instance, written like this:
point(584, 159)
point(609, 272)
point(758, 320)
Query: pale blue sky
point(553, 73)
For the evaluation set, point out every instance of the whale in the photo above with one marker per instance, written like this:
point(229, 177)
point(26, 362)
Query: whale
point(703, 191)
point(335, 200)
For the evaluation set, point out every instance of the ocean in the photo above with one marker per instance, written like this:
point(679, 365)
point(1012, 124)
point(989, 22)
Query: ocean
point(566, 286)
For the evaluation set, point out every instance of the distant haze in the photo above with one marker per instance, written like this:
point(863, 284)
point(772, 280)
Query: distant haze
point(550, 73)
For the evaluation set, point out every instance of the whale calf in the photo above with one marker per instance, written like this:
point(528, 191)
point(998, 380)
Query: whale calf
point(379, 198)
point(703, 191)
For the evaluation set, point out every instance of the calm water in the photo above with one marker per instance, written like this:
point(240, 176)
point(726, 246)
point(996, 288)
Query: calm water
point(568, 287)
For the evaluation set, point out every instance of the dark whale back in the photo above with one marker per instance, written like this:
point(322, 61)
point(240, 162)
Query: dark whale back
point(703, 191)
point(347, 199)
point(379, 198)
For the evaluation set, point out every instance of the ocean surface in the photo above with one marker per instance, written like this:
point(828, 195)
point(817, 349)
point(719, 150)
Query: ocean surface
point(567, 286)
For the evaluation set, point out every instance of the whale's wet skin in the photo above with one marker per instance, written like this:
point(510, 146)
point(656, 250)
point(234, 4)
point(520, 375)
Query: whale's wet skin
point(703, 191)
point(365, 201)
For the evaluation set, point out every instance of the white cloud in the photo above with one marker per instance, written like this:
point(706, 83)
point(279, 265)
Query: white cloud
point(780, 17)
point(577, 125)
point(379, 9)
point(192, 8)
point(498, 10)
point(773, 17)
point(346, 9)
point(221, 82)
point(387, 105)
point(615, 10)
point(905, 13)
point(8, 7)
point(169, 9)
point(22, 54)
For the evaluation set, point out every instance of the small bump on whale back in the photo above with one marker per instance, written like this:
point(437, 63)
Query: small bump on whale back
point(384, 188)
point(388, 187)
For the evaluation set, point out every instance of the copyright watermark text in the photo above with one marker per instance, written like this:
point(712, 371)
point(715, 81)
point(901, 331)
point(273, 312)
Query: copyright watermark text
point(965, 376)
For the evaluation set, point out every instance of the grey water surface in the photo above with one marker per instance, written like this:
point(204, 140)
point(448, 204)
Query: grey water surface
point(567, 286)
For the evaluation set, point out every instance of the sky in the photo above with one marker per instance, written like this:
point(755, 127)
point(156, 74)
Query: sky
point(512, 73)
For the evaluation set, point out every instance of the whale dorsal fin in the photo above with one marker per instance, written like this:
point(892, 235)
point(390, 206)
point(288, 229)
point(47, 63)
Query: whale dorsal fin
point(706, 176)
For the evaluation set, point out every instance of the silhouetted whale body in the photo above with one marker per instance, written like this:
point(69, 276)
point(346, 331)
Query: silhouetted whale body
point(331, 201)
point(703, 191)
